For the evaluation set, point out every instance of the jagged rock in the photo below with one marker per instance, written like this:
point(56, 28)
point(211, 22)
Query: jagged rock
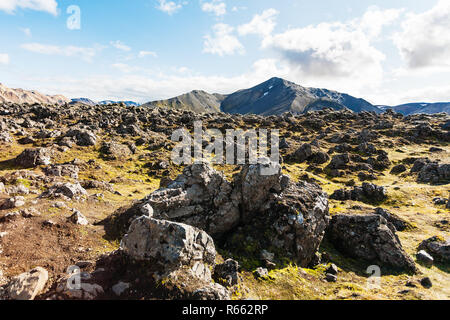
point(72, 191)
point(28, 285)
point(332, 269)
point(399, 223)
point(369, 237)
point(18, 190)
point(438, 248)
point(434, 172)
point(227, 272)
point(200, 197)
point(210, 292)
point(368, 192)
point(5, 137)
point(94, 184)
point(78, 218)
point(170, 245)
point(339, 161)
point(31, 158)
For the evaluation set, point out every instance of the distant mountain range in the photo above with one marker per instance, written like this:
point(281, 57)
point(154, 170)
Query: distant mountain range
point(415, 108)
point(90, 102)
point(272, 97)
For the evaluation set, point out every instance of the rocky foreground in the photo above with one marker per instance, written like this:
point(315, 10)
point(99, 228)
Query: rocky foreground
point(91, 207)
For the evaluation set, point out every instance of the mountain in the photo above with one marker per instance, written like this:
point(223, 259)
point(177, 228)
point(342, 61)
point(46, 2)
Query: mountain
point(31, 97)
point(415, 108)
point(127, 103)
point(272, 97)
point(276, 96)
point(84, 101)
point(197, 101)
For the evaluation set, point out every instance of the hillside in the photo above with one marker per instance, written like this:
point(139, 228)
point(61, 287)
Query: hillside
point(197, 101)
point(20, 96)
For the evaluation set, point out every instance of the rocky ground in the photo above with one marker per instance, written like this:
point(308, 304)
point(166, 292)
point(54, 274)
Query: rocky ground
point(91, 207)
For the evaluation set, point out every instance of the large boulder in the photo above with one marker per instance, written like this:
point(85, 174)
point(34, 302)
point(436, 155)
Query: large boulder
point(434, 172)
point(200, 197)
point(82, 137)
point(170, 245)
point(28, 285)
point(262, 202)
point(115, 151)
point(31, 158)
point(369, 237)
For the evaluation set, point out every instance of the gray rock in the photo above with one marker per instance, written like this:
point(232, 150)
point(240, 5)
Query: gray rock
point(424, 257)
point(438, 248)
point(120, 288)
point(332, 269)
point(261, 273)
point(426, 283)
point(2, 188)
point(72, 191)
point(31, 158)
point(369, 237)
point(62, 170)
point(213, 291)
point(399, 223)
point(228, 272)
point(330, 277)
point(78, 218)
point(170, 245)
point(14, 202)
point(83, 137)
point(28, 285)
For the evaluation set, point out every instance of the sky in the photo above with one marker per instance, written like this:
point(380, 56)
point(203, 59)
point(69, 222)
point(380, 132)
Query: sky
point(386, 51)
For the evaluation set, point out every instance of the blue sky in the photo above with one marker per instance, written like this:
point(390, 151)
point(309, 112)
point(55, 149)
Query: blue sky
point(388, 52)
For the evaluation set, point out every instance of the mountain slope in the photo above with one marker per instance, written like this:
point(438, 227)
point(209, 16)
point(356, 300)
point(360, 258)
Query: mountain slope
point(9, 95)
point(197, 101)
point(427, 108)
point(276, 96)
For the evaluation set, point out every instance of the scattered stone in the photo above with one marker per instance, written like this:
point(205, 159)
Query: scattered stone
point(261, 273)
point(332, 269)
point(12, 203)
point(72, 191)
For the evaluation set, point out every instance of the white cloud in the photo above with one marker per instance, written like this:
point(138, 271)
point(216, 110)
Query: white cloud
point(169, 7)
point(10, 6)
point(343, 51)
point(119, 45)
point(262, 24)
point(4, 58)
point(67, 51)
point(223, 42)
point(218, 7)
point(26, 31)
point(425, 38)
point(143, 54)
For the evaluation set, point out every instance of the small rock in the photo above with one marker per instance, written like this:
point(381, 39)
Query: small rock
point(330, 277)
point(425, 257)
point(78, 218)
point(49, 223)
point(426, 283)
point(261, 273)
point(266, 255)
point(120, 288)
point(333, 269)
